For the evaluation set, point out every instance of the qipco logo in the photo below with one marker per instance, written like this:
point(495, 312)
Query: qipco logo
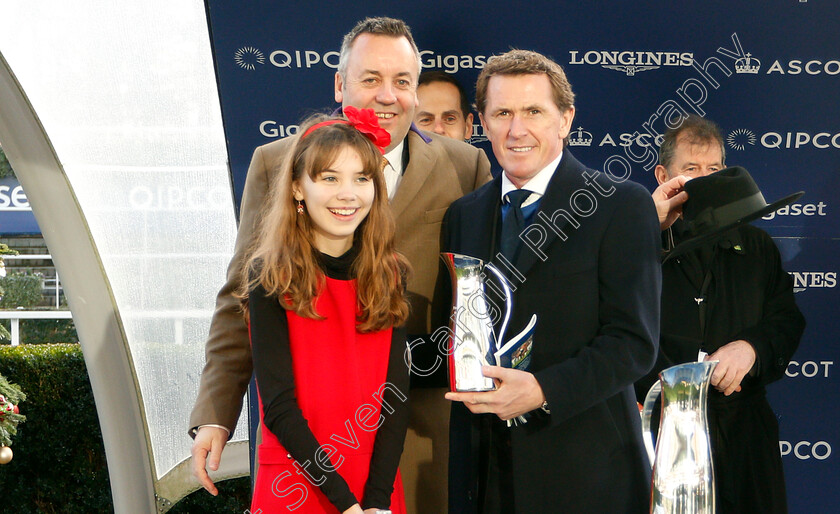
point(805, 450)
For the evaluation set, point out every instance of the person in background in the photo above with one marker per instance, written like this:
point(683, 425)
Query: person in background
point(730, 299)
point(444, 108)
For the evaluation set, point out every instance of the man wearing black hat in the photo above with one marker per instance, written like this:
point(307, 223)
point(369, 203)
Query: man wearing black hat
point(725, 297)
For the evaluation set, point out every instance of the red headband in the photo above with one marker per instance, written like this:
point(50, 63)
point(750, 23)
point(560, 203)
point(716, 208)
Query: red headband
point(363, 120)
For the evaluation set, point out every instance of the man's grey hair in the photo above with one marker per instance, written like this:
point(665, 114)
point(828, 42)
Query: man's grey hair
point(697, 130)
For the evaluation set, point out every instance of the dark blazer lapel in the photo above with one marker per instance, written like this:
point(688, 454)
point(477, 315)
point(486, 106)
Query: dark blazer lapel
point(563, 183)
point(484, 223)
point(421, 162)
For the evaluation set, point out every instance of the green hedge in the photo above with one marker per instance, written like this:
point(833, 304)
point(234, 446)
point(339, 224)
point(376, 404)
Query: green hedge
point(59, 461)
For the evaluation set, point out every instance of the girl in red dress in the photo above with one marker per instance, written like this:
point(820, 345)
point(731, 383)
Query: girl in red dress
point(324, 294)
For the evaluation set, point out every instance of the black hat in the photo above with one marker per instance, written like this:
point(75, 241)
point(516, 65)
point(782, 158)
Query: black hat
point(720, 202)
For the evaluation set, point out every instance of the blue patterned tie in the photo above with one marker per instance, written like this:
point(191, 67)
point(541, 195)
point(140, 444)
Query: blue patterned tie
point(513, 223)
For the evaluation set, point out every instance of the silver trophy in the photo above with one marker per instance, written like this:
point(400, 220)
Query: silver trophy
point(683, 476)
point(472, 341)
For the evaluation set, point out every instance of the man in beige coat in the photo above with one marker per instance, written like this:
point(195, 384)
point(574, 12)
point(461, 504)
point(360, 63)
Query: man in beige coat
point(379, 67)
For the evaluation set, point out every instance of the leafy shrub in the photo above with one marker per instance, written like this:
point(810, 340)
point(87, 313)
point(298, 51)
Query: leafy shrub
point(5, 168)
point(59, 462)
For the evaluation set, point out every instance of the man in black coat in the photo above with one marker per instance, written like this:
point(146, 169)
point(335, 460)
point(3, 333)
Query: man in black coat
point(731, 300)
point(584, 258)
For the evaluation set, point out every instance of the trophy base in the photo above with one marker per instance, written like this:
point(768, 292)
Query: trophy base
point(473, 390)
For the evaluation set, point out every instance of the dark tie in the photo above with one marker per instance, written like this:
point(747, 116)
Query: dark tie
point(514, 223)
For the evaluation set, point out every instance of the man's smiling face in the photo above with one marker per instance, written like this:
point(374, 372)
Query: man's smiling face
point(524, 124)
point(381, 74)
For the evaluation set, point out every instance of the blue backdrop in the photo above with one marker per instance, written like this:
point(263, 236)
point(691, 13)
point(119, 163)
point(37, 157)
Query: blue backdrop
point(767, 71)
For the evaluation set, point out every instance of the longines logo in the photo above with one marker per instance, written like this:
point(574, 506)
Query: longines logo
point(803, 280)
point(248, 57)
point(738, 139)
point(631, 62)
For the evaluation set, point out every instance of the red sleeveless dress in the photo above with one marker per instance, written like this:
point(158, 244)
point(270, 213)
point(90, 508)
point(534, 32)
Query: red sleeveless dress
point(338, 374)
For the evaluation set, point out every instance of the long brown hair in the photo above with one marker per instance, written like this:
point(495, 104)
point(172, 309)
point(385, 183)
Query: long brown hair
point(283, 258)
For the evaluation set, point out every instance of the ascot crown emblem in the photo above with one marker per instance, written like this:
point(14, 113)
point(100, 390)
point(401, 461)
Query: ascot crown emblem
point(580, 137)
point(747, 64)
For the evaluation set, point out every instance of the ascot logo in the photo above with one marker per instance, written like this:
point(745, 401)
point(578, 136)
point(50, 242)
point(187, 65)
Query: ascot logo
point(630, 62)
point(478, 134)
point(580, 137)
point(811, 67)
point(738, 139)
point(809, 369)
point(248, 57)
point(747, 64)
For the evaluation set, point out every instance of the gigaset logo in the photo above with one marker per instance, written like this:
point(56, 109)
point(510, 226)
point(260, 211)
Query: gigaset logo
point(798, 209)
point(13, 199)
point(452, 63)
point(270, 128)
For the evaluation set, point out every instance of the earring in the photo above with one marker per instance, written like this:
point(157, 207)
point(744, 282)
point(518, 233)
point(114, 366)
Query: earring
point(299, 207)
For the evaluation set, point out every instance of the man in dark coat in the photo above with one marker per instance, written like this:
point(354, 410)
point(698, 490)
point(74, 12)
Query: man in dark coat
point(731, 300)
point(586, 262)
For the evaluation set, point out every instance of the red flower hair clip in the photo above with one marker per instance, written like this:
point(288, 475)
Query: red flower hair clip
point(363, 120)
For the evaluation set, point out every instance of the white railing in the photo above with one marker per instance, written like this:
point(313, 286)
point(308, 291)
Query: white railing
point(177, 318)
point(48, 283)
point(16, 316)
